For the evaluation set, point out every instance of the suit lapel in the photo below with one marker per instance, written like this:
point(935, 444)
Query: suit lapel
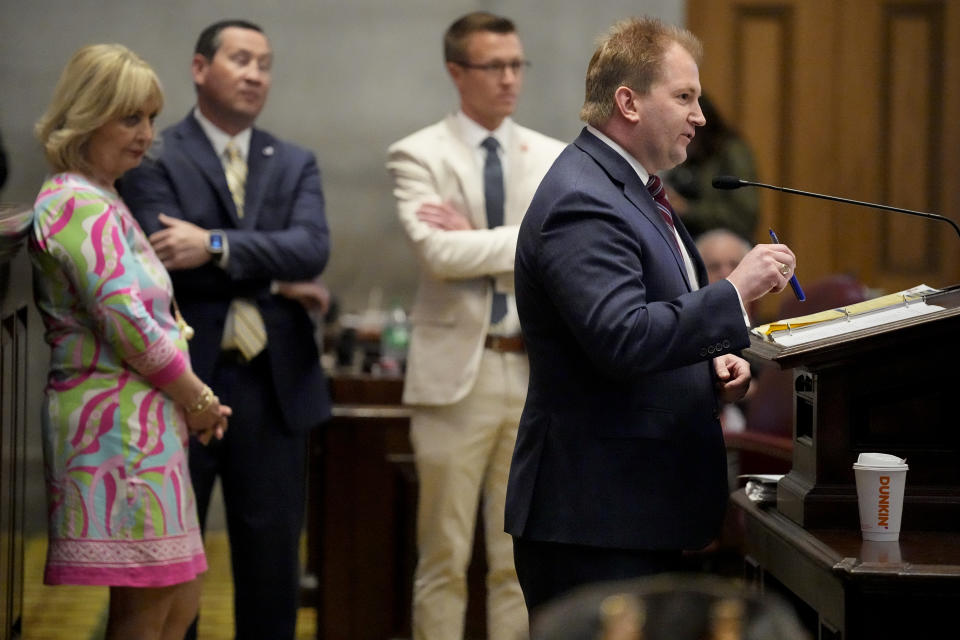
point(199, 150)
point(518, 159)
point(463, 164)
point(634, 190)
point(260, 164)
point(691, 246)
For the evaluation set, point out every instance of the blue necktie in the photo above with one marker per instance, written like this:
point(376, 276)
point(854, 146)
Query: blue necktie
point(493, 195)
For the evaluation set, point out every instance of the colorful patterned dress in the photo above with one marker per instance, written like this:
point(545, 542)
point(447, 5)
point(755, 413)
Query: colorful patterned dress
point(121, 505)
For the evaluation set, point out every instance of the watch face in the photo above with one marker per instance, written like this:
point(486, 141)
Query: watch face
point(216, 242)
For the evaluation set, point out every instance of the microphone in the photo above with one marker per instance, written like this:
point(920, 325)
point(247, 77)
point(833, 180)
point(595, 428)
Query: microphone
point(733, 182)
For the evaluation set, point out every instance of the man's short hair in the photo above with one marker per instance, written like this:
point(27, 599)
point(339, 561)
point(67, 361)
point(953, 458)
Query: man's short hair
point(455, 39)
point(209, 40)
point(101, 82)
point(720, 233)
point(630, 54)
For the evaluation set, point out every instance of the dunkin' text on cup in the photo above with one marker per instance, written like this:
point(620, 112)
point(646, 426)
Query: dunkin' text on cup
point(883, 506)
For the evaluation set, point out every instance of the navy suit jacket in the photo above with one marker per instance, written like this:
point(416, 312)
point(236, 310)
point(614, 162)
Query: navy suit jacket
point(282, 236)
point(620, 443)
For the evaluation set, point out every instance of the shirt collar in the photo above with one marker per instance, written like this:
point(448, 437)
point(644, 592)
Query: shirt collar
point(220, 138)
point(475, 133)
point(633, 162)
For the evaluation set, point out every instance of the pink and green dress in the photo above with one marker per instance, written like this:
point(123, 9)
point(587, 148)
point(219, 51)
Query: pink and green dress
point(121, 505)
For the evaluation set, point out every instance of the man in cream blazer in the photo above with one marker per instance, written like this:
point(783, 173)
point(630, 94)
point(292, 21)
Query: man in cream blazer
point(467, 369)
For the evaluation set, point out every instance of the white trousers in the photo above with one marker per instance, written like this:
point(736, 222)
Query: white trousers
point(462, 453)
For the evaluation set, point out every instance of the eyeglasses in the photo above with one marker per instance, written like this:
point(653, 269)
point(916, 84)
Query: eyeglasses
point(498, 68)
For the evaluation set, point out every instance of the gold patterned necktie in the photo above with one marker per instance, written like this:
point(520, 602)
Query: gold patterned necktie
point(244, 328)
point(236, 172)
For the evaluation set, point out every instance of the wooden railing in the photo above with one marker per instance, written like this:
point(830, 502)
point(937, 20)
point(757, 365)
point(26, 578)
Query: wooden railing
point(15, 298)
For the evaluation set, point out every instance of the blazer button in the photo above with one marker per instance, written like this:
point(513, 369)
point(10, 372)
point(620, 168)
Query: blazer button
point(726, 344)
point(711, 349)
point(703, 352)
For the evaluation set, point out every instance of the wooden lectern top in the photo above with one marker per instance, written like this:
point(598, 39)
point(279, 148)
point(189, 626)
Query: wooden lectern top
point(843, 346)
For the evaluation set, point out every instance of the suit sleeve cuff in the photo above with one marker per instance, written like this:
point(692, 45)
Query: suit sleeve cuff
point(743, 309)
point(224, 258)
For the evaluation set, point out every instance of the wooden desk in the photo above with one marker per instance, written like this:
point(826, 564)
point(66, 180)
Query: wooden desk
point(851, 589)
point(361, 517)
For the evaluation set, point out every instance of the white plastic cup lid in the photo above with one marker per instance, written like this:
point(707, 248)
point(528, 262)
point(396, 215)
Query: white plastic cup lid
point(880, 460)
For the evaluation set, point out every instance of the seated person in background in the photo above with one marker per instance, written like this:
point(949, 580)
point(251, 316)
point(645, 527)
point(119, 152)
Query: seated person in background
point(722, 250)
point(716, 150)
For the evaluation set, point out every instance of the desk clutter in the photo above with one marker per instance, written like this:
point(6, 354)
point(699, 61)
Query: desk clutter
point(373, 342)
point(761, 488)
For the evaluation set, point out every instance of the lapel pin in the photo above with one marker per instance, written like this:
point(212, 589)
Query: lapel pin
point(268, 151)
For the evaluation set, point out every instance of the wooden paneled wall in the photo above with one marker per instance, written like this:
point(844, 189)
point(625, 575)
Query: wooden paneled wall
point(856, 98)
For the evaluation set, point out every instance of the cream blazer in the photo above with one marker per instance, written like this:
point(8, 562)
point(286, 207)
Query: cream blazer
point(451, 311)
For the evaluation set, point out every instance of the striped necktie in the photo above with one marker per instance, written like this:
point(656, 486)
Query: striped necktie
point(235, 169)
point(244, 329)
point(493, 196)
point(655, 187)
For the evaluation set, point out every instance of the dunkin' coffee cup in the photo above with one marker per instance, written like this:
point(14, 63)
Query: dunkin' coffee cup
point(881, 479)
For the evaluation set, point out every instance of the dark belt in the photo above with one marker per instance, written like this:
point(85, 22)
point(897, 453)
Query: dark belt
point(505, 344)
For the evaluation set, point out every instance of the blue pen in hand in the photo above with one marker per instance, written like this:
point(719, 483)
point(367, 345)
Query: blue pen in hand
point(794, 283)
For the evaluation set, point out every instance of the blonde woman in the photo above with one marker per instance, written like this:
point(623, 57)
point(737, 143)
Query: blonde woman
point(120, 395)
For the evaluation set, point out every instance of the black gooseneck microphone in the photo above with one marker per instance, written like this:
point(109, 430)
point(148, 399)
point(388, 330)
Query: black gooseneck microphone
point(733, 182)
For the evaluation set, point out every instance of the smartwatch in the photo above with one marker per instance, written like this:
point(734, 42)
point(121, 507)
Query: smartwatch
point(215, 245)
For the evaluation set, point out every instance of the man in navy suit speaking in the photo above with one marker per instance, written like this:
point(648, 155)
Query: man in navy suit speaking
point(619, 464)
point(237, 216)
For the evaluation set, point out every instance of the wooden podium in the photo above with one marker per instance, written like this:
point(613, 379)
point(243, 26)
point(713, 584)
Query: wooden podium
point(361, 518)
point(893, 389)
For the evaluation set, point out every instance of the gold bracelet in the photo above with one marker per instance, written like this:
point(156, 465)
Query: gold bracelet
point(203, 401)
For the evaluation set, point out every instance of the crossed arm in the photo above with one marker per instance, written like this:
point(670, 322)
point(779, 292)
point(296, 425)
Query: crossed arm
point(291, 257)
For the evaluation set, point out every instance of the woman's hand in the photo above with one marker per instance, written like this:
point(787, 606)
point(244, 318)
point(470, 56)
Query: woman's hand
point(210, 421)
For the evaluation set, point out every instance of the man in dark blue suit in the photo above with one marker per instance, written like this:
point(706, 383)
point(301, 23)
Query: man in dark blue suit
point(619, 464)
point(237, 216)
